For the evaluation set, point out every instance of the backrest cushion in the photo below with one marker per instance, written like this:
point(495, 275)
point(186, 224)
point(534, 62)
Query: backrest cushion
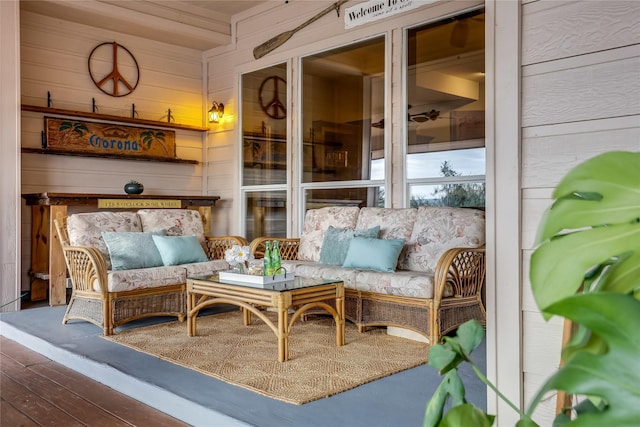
point(367, 253)
point(393, 223)
point(175, 222)
point(176, 250)
point(316, 223)
point(131, 250)
point(337, 240)
point(438, 229)
point(85, 229)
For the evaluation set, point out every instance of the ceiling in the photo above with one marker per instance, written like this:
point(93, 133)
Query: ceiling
point(196, 24)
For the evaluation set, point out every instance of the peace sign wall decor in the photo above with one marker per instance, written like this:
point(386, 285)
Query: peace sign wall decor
point(113, 69)
point(269, 97)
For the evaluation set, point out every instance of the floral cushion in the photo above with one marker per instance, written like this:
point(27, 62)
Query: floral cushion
point(401, 283)
point(176, 222)
point(85, 229)
point(332, 272)
point(316, 223)
point(205, 268)
point(394, 224)
point(142, 278)
point(438, 229)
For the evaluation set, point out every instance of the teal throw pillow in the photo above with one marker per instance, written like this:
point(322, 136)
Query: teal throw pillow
point(373, 254)
point(176, 250)
point(130, 250)
point(336, 243)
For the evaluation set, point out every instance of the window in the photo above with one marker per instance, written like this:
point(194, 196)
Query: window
point(445, 164)
point(342, 134)
point(264, 151)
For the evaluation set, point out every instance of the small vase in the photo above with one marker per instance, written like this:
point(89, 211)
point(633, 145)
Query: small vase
point(239, 268)
point(133, 188)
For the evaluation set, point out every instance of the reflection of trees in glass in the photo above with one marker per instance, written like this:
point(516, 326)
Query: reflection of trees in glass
point(455, 195)
point(381, 197)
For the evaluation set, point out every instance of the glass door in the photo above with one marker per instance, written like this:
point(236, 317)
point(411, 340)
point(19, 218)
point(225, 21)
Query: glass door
point(264, 152)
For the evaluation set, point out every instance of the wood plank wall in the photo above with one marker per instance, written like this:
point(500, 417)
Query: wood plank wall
point(54, 56)
point(580, 98)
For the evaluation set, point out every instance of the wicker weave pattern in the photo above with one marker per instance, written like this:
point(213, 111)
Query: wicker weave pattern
point(165, 303)
point(215, 246)
point(288, 247)
point(91, 301)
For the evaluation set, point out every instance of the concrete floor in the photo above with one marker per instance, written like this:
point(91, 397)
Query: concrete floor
point(398, 400)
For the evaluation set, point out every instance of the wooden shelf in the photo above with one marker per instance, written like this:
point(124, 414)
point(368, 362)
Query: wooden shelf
point(106, 156)
point(111, 118)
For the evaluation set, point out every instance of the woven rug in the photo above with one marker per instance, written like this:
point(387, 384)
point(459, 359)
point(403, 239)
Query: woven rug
point(247, 356)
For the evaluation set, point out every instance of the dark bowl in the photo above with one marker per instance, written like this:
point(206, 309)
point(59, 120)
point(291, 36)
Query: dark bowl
point(133, 188)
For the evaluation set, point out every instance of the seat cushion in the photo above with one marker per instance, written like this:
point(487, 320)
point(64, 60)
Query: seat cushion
point(316, 223)
point(332, 272)
point(143, 278)
point(205, 268)
point(401, 283)
point(438, 229)
point(85, 229)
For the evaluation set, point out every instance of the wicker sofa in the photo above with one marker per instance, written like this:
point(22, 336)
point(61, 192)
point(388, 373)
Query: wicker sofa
point(110, 292)
point(437, 284)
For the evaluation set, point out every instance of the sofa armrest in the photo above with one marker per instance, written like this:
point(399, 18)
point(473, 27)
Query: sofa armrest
point(288, 247)
point(85, 265)
point(463, 270)
point(215, 246)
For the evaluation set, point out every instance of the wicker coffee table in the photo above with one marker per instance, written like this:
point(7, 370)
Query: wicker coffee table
point(301, 294)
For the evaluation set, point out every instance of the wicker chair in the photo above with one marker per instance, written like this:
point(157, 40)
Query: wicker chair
point(87, 270)
point(460, 271)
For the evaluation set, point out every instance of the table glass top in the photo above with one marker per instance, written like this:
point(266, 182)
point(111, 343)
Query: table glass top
point(295, 282)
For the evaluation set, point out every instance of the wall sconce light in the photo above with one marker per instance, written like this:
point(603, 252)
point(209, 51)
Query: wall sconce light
point(216, 112)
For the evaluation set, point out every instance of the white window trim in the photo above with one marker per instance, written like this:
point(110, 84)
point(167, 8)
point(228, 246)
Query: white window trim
point(503, 207)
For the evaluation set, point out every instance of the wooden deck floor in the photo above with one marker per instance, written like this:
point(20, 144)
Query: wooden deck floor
point(34, 391)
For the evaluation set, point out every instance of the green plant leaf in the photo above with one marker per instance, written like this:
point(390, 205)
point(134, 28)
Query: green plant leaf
point(456, 350)
point(602, 190)
point(451, 386)
point(614, 375)
point(466, 415)
point(524, 422)
point(559, 266)
point(441, 356)
point(624, 276)
point(470, 335)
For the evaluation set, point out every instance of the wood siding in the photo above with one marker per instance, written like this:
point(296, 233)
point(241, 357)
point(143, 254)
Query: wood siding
point(580, 98)
point(10, 163)
point(54, 59)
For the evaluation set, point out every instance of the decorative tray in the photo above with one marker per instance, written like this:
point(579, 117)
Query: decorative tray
point(250, 280)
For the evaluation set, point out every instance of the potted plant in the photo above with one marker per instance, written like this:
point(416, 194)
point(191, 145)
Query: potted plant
point(586, 268)
point(133, 187)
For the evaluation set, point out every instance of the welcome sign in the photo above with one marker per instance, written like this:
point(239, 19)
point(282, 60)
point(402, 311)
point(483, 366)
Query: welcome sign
point(109, 139)
point(374, 10)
